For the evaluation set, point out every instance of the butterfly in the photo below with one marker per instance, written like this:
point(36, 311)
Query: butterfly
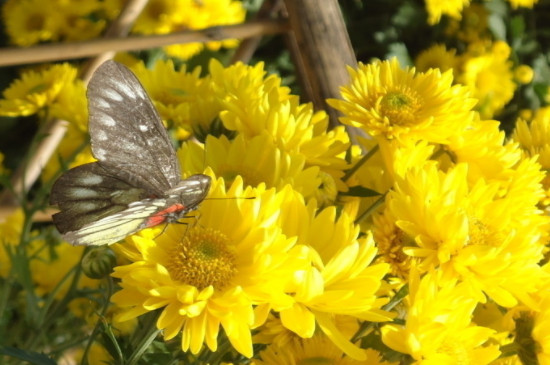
point(136, 182)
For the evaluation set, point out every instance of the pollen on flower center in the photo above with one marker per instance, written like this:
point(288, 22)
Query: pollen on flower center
point(480, 234)
point(393, 253)
point(202, 259)
point(456, 351)
point(400, 107)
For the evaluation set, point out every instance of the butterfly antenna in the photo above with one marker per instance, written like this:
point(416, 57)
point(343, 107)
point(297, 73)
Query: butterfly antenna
point(233, 197)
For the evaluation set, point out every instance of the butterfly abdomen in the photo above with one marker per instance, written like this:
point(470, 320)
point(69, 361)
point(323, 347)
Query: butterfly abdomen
point(170, 214)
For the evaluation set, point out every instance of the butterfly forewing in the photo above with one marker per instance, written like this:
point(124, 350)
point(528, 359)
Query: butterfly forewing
point(136, 181)
point(126, 131)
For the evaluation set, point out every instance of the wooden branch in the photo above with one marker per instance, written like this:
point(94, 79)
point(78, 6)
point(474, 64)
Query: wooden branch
point(63, 51)
point(323, 49)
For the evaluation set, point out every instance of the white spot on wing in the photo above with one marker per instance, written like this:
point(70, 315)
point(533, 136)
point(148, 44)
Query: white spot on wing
point(99, 153)
point(86, 206)
point(102, 103)
point(143, 127)
point(126, 90)
point(107, 120)
point(101, 135)
point(82, 193)
point(112, 94)
point(141, 93)
point(91, 180)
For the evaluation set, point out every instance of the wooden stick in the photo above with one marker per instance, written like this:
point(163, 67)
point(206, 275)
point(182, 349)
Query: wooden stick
point(63, 51)
point(324, 49)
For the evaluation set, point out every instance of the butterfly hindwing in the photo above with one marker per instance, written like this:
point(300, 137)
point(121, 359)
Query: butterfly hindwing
point(116, 227)
point(89, 193)
point(126, 131)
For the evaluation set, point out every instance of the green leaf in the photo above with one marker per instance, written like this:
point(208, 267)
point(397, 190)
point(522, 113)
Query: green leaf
point(517, 27)
point(28, 356)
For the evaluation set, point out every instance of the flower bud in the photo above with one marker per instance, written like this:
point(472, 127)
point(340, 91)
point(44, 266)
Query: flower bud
point(98, 262)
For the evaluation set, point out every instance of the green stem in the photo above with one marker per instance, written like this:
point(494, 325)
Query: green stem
point(146, 337)
point(360, 163)
point(371, 209)
point(96, 329)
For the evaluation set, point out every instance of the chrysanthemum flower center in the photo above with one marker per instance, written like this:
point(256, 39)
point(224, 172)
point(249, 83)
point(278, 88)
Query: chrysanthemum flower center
point(327, 191)
point(400, 106)
point(393, 253)
point(456, 351)
point(35, 22)
point(202, 259)
point(480, 234)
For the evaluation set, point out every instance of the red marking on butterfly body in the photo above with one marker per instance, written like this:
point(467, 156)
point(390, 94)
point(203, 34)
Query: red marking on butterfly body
point(163, 215)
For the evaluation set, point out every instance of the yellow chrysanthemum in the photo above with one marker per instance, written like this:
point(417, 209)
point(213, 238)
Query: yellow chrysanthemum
point(79, 20)
point(385, 100)
point(534, 139)
point(29, 22)
point(473, 26)
point(317, 350)
point(436, 56)
point(182, 98)
point(342, 279)
point(489, 76)
point(161, 16)
point(209, 274)
point(533, 135)
point(253, 105)
point(437, 8)
point(471, 233)
point(482, 147)
point(438, 328)
point(71, 105)
point(257, 160)
point(204, 14)
point(34, 90)
point(165, 16)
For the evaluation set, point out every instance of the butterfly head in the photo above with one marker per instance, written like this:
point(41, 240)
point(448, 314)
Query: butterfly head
point(192, 191)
